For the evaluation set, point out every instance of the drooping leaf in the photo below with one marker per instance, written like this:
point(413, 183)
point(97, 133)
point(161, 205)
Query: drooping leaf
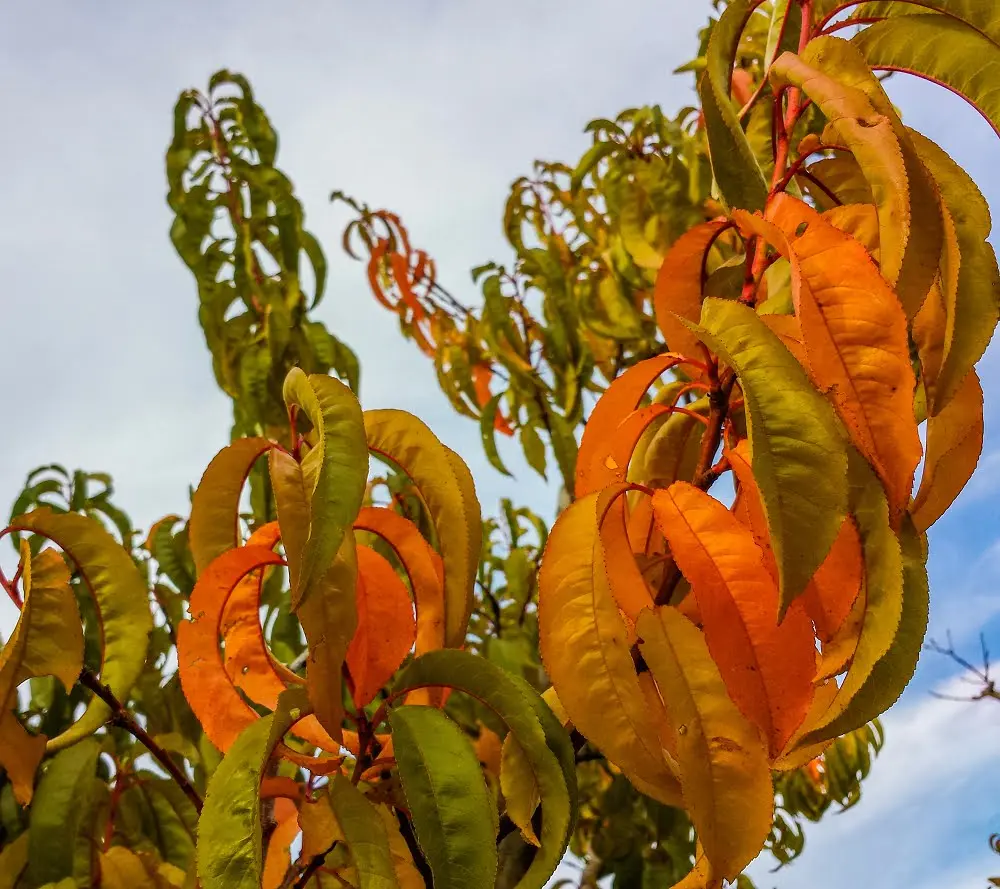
point(678, 289)
point(61, 814)
point(855, 335)
point(13, 860)
point(509, 699)
point(894, 669)
point(46, 641)
point(220, 709)
point(386, 627)
point(230, 849)
point(972, 297)
point(884, 589)
point(733, 161)
point(215, 507)
point(334, 471)
point(119, 593)
point(584, 649)
point(798, 450)
point(446, 486)
point(768, 668)
point(722, 763)
point(834, 76)
point(278, 857)
point(365, 832)
point(451, 810)
point(954, 444)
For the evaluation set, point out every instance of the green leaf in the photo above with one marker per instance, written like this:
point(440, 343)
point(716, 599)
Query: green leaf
point(61, 815)
point(798, 448)
point(509, 699)
point(734, 165)
point(335, 470)
point(965, 58)
point(533, 447)
point(487, 430)
point(13, 861)
point(894, 624)
point(452, 811)
point(230, 848)
point(122, 602)
point(365, 833)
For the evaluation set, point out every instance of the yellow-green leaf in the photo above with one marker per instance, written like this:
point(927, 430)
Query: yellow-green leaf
point(450, 807)
point(13, 860)
point(446, 486)
point(365, 834)
point(734, 164)
point(335, 471)
point(798, 450)
point(215, 507)
point(722, 762)
point(122, 601)
point(121, 868)
point(230, 848)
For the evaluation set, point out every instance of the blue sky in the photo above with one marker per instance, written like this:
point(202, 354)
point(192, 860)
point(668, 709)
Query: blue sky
point(429, 108)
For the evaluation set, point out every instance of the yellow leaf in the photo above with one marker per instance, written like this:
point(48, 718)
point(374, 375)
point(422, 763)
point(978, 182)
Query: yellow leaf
point(584, 649)
point(723, 767)
point(954, 444)
point(121, 868)
point(446, 487)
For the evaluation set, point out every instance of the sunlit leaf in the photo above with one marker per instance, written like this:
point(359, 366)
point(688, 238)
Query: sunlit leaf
point(122, 602)
point(722, 762)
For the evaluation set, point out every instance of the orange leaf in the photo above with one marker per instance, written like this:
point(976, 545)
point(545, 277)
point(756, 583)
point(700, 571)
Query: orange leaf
point(279, 855)
point(855, 334)
point(679, 284)
point(386, 626)
point(215, 507)
point(221, 711)
point(620, 399)
point(954, 443)
point(767, 667)
point(481, 376)
point(627, 583)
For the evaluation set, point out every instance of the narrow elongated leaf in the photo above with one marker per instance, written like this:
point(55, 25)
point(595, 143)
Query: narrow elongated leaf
point(798, 450)
point(855, 336)
point(488, 432)
point(722, 762)
point(230, 848)
point(884, 592)
point(733, 162)
point(954, 444)
point(451, 810)
point(386, 628)
point(13, 860)
point(972, 297)
point(215, 507)
point(678, 289)
point(46, 641)
point(622, 397)
point(896, 667)
point(768, 668)
point(365, 832)
point(584, 647)
point(446, 487)
point(122, 603)
point(335, 471)
point(279, 857)
point(509, 699)
point(59, 819)
point(860, 122)
point(220, 709)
